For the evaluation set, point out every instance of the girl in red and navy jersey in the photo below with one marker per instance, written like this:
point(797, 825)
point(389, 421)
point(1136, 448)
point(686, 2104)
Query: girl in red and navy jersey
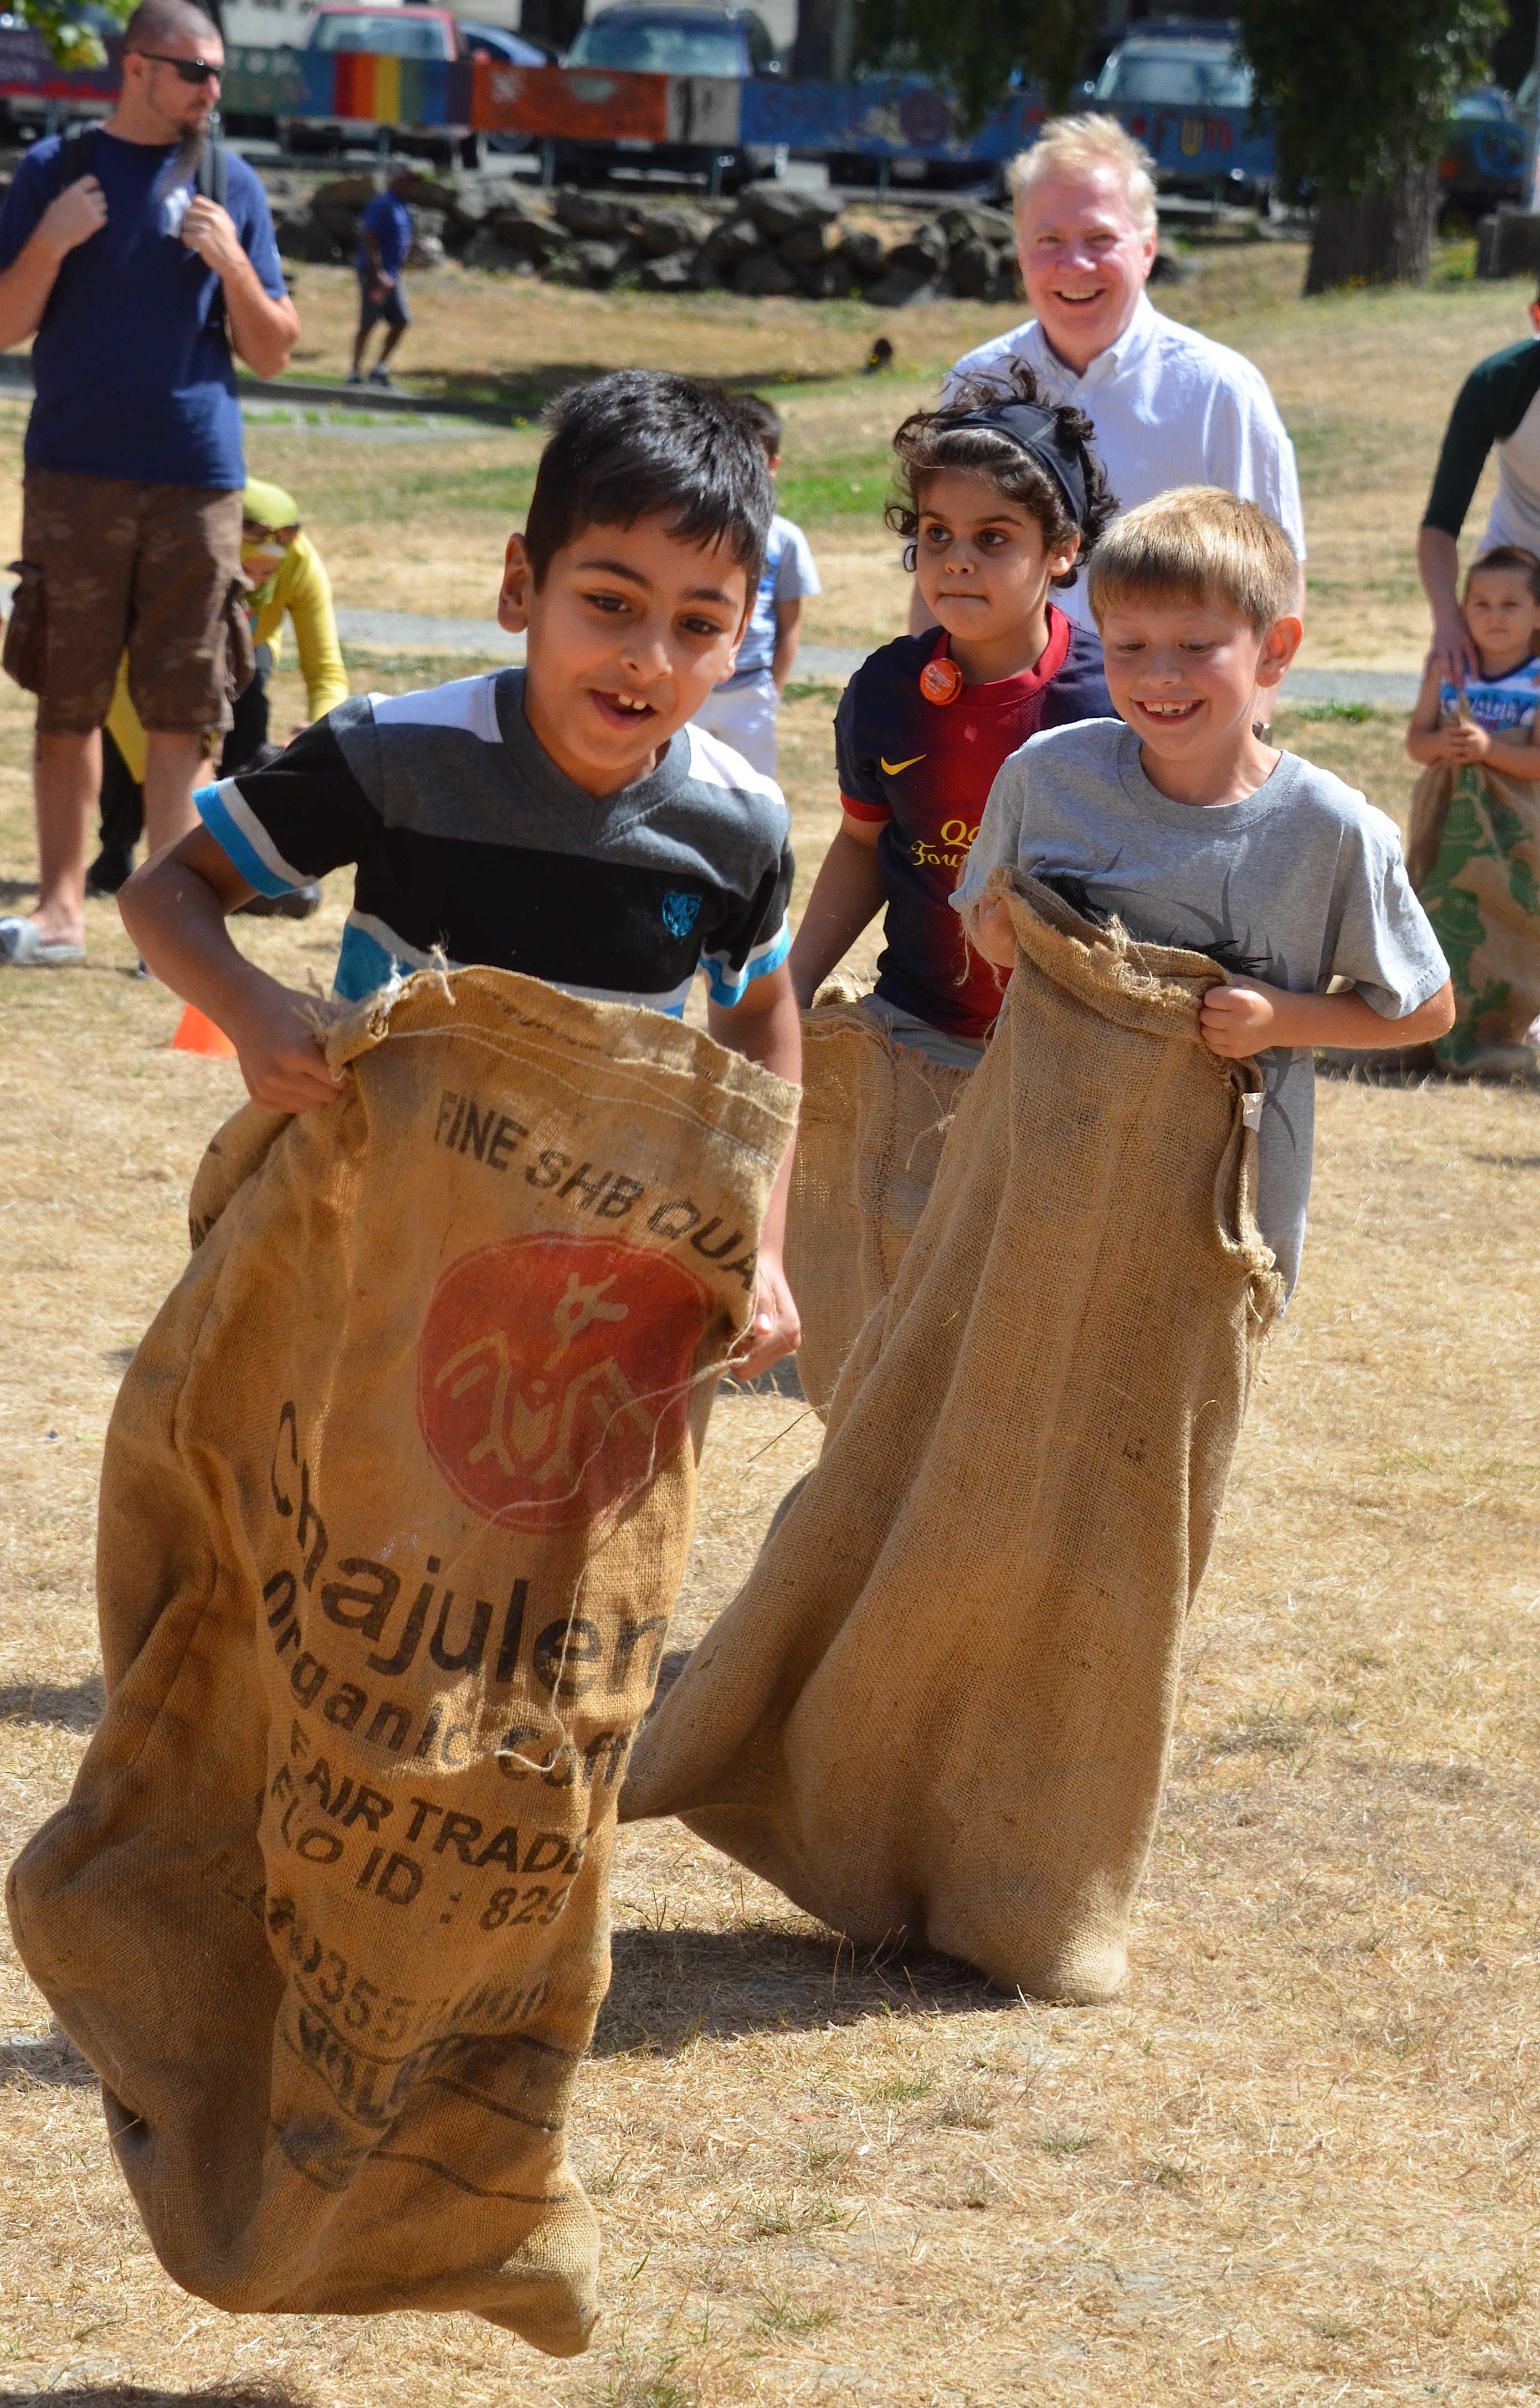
point(1003, 502)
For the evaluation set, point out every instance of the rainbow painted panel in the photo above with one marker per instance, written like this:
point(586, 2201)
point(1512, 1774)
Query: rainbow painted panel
point(370, 88)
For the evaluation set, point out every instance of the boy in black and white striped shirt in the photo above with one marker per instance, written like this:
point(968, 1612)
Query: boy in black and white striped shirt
point(563, 819)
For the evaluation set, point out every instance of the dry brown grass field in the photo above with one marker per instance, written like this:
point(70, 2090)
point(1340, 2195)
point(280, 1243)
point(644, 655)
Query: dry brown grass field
point(1296, 2160)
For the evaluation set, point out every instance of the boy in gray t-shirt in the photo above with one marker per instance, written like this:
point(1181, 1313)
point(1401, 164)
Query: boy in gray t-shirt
point(1177, 817)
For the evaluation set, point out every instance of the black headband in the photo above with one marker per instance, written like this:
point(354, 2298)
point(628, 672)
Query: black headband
point(1037, 431)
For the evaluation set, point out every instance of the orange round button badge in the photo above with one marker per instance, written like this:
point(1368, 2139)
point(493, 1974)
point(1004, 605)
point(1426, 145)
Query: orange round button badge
point(940, 680)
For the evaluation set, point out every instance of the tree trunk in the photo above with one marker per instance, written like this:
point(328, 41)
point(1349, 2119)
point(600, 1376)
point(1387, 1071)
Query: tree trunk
point(552, 20)
point(825, 35)
point(1381, 237)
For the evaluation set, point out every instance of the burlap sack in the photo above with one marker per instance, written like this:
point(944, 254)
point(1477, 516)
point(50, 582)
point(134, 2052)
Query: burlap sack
point(873, 1120)
point(940, 1705)
point(1473, 855)
point(395, 1499)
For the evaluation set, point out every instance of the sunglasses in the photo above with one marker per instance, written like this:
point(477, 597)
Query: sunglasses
point(190, 70)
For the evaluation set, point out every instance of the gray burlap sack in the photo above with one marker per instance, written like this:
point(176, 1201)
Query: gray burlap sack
point(940, 1705)
point(395, 1499)
point(873, 1120)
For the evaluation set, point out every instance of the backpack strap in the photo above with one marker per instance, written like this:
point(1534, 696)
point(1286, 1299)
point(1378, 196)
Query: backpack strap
point(212, 182)
point(76, 153)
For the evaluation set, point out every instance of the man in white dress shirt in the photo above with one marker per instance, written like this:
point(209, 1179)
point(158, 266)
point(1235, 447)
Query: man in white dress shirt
point(1169, 406)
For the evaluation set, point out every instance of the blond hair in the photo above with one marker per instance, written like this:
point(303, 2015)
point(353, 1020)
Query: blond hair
point(1198, 544)
point(1070, 146)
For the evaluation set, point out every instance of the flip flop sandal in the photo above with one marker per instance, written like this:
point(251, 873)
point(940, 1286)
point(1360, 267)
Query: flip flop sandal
point(23, 947)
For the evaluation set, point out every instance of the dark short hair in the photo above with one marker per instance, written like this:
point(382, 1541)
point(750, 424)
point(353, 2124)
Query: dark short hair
point(156, 21)
point(765, 421)
point(931, 440)
point(640, 443)
point(1511, 556)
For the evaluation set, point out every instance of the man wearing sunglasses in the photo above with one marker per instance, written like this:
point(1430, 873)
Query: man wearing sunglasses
point(138, 286)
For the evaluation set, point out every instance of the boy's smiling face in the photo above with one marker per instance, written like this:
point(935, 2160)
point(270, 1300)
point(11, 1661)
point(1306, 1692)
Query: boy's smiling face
point(628, 633)
point(1184, 676)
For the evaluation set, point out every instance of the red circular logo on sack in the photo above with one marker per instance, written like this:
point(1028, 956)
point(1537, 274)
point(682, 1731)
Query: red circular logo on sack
point(553, 1376)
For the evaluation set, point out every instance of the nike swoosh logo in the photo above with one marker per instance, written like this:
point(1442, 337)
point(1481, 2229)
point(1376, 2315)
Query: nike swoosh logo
point(891, 768)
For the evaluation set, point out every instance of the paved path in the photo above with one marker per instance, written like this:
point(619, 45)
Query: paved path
point(403, 631)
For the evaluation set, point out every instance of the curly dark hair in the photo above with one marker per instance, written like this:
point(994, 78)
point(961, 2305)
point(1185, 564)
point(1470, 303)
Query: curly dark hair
point(930, 440)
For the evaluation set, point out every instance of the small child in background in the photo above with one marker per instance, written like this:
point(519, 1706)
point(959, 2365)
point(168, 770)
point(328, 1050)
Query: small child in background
point(741, 710)
point(1177, 817)
point(1002, 503)
point(1502, 611)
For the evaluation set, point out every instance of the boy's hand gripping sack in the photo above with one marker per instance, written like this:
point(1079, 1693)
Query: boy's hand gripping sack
point(873, 1120)
point(395, 1500)
point(940, 1706)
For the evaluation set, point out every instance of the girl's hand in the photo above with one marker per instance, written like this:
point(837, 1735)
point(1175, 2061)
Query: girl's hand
point(1466, 742)
point(281, 1053)
point(776, 1328)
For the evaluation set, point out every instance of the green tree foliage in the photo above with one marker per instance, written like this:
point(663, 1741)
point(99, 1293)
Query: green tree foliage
point(975, 46)
point(73, 44)
point(1359, 89)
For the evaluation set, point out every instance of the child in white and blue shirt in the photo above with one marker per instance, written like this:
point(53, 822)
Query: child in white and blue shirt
point(1497, 727)
point(741, 710)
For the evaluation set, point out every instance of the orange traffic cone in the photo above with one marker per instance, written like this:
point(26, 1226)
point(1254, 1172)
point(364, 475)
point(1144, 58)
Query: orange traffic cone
point(197, 1034)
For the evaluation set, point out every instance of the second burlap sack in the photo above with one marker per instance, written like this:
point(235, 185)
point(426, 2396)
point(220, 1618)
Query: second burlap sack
point(874, 1122)
point(1473, 855)
point(939, 1708)
point(394, 1503)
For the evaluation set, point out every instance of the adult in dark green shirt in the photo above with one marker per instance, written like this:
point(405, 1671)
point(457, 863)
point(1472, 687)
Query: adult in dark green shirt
point(1498, 403)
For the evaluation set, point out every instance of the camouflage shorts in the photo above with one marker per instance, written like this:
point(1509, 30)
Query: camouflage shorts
point(108, 563)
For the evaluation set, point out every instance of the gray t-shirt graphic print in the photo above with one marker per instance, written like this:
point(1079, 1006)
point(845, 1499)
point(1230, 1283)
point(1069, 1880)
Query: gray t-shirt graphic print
point(1299, 884)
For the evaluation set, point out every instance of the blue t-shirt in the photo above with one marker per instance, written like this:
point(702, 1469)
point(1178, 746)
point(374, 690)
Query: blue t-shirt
point(389, 222)
point(787, 575)
point(132, 364)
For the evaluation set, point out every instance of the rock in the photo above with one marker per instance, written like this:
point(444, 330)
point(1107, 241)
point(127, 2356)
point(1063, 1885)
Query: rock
point(902, 285)
point(974, 268)
point(529, 238)
point(483, 250)
point(779, 209)
point(427, 251)
point(829, 279)
point(763, 273)
point(665, 232)
point(718, 259)
point(863, 251)
point(805, 247)
point(291, 228)
point(1007, 281)
point(925, 249)
point(323, 246)
point(674, 273)
point(426, 192)
point(344, 192)
point(600, 261)
point(969, 221)
point(594, 215)
point(1169, 266)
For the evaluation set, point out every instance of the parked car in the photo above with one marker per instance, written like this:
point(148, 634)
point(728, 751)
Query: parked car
point(508, 50)
point(1183, 88)
point(731, 44)
point(429, 35)
point(1483, 157)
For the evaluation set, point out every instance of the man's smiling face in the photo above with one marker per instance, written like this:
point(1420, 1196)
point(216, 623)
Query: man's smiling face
point(1084, 261)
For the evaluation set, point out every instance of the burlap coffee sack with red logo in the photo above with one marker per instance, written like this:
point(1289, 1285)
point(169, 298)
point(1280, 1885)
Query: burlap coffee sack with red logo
point(939, 1709)
point(395, 1500)
point(873, 1120)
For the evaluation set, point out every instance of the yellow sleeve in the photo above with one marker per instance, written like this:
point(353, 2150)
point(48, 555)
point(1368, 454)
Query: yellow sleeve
point(303, 588)
point(123, 726)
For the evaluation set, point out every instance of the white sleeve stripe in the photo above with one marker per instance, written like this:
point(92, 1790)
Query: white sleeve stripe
point(238, 810)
